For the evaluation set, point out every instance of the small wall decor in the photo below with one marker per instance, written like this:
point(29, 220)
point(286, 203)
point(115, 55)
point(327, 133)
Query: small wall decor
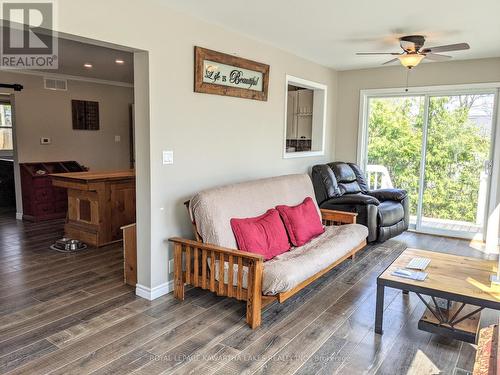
point(85, 115)
point(222, 74)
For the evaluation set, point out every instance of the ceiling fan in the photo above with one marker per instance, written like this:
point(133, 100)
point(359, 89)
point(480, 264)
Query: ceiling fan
point(413, 53)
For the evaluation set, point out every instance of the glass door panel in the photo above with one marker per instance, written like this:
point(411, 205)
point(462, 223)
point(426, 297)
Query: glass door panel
point(395, 131)
point(455, 184)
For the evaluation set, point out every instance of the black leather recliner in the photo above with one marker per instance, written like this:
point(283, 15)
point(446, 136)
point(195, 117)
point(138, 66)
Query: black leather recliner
point(342, 186)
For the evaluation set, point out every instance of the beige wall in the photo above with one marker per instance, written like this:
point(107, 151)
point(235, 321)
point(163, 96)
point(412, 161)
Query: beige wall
point(427, 74)
point(215, 139)
point(218, 140)
point(47, 113)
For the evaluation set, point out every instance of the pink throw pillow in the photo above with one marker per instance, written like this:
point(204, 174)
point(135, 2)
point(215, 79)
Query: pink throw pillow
point(264, 234)
point(302, 222)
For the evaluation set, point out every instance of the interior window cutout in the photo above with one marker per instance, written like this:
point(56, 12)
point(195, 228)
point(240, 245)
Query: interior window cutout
point(305, 118)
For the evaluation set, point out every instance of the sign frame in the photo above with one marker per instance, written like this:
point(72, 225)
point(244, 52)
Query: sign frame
point(203, 54)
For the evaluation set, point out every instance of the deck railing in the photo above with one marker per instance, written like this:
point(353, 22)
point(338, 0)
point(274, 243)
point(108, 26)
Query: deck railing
point(378, 177)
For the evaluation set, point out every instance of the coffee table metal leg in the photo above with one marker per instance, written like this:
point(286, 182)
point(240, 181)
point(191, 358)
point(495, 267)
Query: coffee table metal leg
point(379, 310)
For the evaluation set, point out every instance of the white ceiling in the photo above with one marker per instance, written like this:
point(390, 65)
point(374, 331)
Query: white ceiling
point(330, 32)
point(72, 55)
point(74, 52)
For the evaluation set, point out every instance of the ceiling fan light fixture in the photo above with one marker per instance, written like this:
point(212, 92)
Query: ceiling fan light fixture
point(410, 60)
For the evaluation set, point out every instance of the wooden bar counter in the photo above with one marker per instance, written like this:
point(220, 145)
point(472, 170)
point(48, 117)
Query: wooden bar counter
point(99, 203)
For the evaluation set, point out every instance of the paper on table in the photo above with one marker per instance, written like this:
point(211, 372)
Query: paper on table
point(407, 274)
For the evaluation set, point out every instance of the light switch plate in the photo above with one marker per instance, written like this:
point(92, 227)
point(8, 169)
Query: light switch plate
point(45, 141)
point(118, 138)
point(168, 157)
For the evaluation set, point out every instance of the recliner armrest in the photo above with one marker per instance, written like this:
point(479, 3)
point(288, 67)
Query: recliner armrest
point(389, 194)
point(354, 199)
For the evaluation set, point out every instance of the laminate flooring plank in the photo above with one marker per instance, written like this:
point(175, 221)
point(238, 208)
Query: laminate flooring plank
point(63, 311)
point(26, 354)
point(59, 358)
point(95, 324)
point(195, 347)
point(209, 362)
point(41, 308)
point(109, 355)
point(100, 267)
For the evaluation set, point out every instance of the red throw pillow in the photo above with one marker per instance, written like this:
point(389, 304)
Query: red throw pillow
point(302, 222)
point(264, 234)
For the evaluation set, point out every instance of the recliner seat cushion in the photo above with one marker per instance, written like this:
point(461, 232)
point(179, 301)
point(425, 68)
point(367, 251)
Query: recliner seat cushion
point(389, 213)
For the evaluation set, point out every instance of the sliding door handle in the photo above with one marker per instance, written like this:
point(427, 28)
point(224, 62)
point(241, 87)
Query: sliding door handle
point(488, 167)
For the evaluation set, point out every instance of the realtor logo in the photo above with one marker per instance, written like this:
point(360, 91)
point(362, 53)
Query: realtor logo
point(28, 40)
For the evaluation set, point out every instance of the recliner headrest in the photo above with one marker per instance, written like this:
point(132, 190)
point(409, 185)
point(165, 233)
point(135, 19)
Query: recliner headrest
point(343, 172)
point(325, 183)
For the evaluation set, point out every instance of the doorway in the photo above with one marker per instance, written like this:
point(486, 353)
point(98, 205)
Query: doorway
point(437, 146)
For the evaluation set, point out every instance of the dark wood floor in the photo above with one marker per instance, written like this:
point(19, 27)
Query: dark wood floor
point(67, 314)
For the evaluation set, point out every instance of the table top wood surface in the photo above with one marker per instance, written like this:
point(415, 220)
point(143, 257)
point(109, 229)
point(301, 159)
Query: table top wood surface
point(448, 273)
point(96, 175)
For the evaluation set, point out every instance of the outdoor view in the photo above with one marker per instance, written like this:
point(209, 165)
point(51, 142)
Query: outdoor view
point(458, 143)
point(5, 127)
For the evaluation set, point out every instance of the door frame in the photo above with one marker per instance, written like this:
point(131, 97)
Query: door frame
point(443, 90)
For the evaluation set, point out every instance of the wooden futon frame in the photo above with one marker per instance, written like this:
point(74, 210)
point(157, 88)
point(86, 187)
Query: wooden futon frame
point(197, 273)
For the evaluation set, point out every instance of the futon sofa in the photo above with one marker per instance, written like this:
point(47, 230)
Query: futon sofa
point(245, 275)
point(342, 186)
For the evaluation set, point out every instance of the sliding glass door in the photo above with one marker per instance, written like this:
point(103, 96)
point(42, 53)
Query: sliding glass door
point(457, 160)
point(437, 147)
point(395, 129)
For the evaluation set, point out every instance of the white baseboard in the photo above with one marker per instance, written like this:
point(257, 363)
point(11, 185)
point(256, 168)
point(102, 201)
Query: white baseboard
point(19, 215)
point(154, 293)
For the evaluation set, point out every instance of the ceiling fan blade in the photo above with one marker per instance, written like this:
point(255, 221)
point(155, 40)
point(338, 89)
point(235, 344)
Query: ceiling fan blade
point(447, 48)
point(378, 53)
point(436, 57)
point(391, 61)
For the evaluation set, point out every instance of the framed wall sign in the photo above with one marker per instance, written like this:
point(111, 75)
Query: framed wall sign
point(222, 74)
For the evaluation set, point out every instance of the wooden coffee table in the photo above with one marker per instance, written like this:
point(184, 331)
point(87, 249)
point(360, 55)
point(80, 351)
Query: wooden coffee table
point(463, 282)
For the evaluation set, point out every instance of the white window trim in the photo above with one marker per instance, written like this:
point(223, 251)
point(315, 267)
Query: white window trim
point(313, 86)
point(491, 234)
point(365, 94)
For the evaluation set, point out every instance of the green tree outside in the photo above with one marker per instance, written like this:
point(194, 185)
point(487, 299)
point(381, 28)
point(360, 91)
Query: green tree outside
point(456, 150)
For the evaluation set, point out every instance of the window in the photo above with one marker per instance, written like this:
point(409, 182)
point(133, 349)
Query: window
point(6, 143)
point(436, 145)
point(305, 117)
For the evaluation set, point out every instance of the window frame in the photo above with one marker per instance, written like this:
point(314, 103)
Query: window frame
point(7, 152)
point(318, 110)
point(366, 94)
point(491, 230)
